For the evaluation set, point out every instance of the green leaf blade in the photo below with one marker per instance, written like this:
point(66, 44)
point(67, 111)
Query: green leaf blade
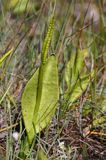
point(41, 155)
point(28, 104)
point(5, 56)
point(74, 67)
point(40, 97)
point(76, 76)
point(49, 95)
point(79, 88)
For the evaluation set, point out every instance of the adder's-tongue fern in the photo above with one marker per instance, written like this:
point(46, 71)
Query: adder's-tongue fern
point(47, 40)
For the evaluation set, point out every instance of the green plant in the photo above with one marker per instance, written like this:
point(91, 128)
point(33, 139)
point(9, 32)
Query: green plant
point(76, 76)
point(41, 93)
